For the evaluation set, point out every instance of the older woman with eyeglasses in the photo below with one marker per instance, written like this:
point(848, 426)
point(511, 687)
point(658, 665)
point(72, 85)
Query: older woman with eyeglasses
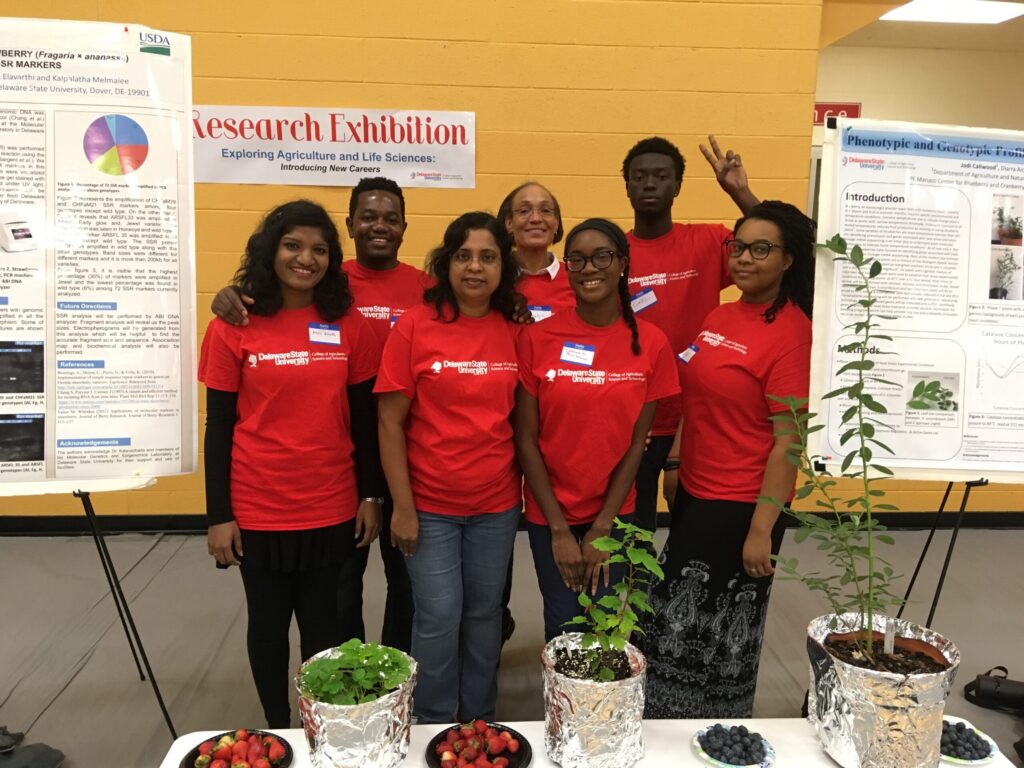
point(534, 220)
point(704, 642)
point(589, 379)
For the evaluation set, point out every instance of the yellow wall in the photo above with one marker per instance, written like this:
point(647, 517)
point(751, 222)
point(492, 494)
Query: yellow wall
point(561, 90)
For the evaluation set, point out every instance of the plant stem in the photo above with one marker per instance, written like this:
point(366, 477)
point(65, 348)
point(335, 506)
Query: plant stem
point(865, 479)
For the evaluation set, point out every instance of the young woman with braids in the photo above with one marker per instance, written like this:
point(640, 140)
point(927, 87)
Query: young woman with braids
point(704, 642)
point(589, 380)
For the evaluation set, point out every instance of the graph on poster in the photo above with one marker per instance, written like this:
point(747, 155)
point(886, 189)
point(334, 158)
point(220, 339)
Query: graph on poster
point(115, 145)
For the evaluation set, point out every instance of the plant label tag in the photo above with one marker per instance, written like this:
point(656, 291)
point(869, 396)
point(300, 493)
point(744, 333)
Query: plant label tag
point(325, 333)
point(578, 354)
point(539, 312)
point(687, 354)
point(641, 300)
point(890, 637)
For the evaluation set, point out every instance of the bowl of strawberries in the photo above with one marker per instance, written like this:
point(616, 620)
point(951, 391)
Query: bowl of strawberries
point(479, 744)
point(240, 749)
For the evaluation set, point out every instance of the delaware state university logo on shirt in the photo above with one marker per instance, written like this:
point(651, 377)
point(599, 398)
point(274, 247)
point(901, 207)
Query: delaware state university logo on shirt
point(295, 357)
point(713, 339)
point(472, 367)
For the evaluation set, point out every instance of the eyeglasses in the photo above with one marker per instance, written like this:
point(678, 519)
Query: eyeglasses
point(575, 262)
point(487, 258)
point(545, 211)
point(759, 249)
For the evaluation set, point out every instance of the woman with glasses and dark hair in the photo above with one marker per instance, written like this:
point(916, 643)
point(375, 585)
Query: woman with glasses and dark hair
point(447, 388)
point(534, 220)
point(282, 490)
point(589, 382)
point(704, 642)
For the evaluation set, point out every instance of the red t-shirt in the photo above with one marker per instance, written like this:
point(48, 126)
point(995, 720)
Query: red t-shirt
point(461, 378)
point(291, 461)
point(588, 407)
point(739, 360)
point(547, 293)
point(382, 295)
point(675, 281)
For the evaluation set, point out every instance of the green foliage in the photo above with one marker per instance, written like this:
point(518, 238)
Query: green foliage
point(930, 395)
point(356, 673)
point(611, 621)
point(859, 581)
point(1007, 267)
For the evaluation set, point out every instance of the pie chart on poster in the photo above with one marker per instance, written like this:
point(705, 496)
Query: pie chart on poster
point(115, 145)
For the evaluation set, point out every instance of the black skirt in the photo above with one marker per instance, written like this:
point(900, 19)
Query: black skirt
point(703, 642)
point(291, 551)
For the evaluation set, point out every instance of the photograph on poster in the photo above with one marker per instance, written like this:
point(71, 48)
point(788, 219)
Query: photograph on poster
point(21, 437)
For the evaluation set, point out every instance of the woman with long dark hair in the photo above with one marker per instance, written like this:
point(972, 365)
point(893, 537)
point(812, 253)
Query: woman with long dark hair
point(704, 642)
point(447, 387)
point(590, 379)
point(291, 445)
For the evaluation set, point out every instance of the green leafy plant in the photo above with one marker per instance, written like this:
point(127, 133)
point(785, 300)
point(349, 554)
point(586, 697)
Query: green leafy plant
point(1006, 268)
point(1013, 227)
point(845, 528)
point(356, 673)
point(612, 620)
point(930, 395)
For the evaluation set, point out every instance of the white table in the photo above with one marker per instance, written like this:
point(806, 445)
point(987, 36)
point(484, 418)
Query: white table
point(666, 743)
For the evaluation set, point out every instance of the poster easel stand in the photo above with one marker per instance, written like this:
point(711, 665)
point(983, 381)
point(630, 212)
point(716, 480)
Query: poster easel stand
point(968, 487)
point(123, 609)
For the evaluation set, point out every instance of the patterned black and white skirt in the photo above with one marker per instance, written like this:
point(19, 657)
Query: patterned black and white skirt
point(703, 642)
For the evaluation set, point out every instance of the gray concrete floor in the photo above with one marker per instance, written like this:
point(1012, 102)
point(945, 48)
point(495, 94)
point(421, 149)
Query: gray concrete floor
point(67, 676)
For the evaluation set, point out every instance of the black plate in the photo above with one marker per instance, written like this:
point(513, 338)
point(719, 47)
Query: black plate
point(520, 759)
point(189, 760)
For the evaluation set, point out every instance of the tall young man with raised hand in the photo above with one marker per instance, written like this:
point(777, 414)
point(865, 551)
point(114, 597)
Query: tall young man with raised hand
point(677, 272)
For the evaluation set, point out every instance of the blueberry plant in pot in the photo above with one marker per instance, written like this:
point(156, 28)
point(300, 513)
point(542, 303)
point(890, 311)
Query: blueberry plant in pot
point(594, 680)
point(878, 685)
point(356, 705)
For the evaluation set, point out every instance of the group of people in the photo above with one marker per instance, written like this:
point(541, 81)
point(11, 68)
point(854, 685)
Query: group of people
point(347, 399)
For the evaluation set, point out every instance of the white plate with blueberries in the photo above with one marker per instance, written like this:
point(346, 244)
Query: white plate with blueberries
point(963, 744)
point(732, 746)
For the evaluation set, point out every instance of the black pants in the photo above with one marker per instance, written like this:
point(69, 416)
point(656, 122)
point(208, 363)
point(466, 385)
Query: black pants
point(647, 488)
point(397, 629)
point(326, 602)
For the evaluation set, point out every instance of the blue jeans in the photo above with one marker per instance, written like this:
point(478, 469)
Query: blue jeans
point(458, 575)
point(561, 603)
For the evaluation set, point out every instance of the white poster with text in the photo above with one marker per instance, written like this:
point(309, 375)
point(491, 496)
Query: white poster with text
point(97, 253)
point(940, 207)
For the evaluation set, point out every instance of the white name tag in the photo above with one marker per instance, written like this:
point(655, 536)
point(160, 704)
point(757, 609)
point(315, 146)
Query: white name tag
point(688, 353)
point(641, 300)
point(578, 354)
point(325, 333)
point(539, 312)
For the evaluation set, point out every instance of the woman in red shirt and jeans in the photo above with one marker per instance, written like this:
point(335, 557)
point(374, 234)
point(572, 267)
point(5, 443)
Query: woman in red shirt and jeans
point(447, 383)
point(704, 642)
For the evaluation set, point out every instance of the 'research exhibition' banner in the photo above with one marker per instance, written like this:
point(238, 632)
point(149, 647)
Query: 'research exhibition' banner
point(333, 147)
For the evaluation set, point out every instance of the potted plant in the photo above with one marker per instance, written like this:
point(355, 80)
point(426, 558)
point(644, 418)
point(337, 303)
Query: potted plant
point(878, 685)
point(1006, 268)
point(356, 702)
point(594, 680)
point(1010, 230)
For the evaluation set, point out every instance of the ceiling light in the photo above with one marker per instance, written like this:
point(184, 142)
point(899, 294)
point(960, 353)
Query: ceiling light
point(956, 11)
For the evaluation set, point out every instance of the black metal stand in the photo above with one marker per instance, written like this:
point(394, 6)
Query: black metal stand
point(968, 487)
point(123, 609)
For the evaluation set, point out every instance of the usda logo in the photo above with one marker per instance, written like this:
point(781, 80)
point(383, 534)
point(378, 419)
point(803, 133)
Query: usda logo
point(154, 42)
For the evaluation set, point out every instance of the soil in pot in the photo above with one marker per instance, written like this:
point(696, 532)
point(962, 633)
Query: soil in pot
point(581, 665)
point(909, 657)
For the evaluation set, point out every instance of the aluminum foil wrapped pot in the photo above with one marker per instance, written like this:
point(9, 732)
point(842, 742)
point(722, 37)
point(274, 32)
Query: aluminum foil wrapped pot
point(589, 724)
point(372, 735)
point(868, 719)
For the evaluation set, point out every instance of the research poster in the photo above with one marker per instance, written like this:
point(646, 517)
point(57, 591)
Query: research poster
point(334, 147)
point(941, 208)
point(97, 253)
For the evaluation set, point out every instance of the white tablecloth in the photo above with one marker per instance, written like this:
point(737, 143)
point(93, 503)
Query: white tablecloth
point(666, 743)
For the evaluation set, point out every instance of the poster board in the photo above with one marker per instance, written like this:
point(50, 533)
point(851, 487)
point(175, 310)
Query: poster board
point(97, 254)
point(941, 208)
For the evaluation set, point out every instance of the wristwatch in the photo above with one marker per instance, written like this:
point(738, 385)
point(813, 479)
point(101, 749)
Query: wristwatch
point(378, 500)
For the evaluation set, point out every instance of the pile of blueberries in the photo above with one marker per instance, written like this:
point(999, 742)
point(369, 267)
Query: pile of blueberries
point(962, 742)
point(735, 745)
